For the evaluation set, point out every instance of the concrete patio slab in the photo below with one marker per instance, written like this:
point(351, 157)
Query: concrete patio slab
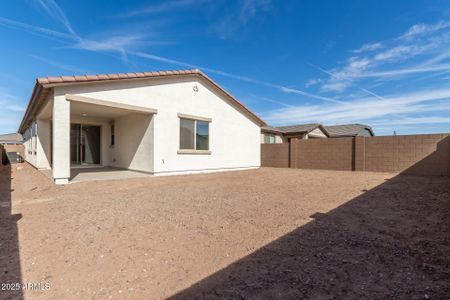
point(99, 173)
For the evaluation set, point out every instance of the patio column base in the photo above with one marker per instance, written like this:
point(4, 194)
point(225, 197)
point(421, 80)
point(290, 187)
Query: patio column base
point(61, 181)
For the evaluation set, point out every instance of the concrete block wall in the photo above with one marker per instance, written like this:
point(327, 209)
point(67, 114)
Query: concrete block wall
point(275, 155)
point(2, 155)
point(328, 154)
point(426, 154)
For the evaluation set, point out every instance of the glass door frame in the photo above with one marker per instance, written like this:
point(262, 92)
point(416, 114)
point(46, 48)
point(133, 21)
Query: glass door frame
point(79, 159)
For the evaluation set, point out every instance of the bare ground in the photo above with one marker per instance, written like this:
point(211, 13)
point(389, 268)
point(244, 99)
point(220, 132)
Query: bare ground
point(259, 234)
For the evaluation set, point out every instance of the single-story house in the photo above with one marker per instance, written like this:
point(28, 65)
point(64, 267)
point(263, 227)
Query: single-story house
point(282, 134)
point(11, 139)
point(169, 122)
point(349, 130)
point(11, 142)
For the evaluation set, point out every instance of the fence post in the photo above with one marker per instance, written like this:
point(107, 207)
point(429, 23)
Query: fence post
point(448, 154)
point(360, 153)
point(2, 156)
point(293, 150)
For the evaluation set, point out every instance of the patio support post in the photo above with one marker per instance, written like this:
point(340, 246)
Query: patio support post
point(61, 140)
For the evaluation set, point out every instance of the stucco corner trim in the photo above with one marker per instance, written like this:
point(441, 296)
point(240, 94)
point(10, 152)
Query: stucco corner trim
point(189, 151)
point(191, 117)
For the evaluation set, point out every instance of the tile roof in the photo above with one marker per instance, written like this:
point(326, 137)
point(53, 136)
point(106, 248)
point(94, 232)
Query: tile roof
point(11, 138)
point(346, 129)
point(113, 76)
point(293, 128)
point(43, 84)
point(271, 128)
point(299, 128)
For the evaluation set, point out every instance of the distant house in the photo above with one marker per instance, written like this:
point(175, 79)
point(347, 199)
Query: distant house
point(11, 142)
point(349, 130)
point(11, 139)
point(282, 134)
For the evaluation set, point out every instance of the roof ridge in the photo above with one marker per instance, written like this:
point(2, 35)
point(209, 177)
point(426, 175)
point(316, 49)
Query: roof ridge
point(108, 76)
point(298, 125)
point(347, 124)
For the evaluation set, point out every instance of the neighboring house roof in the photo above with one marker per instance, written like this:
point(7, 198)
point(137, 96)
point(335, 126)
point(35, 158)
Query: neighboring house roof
point(347, 130)
point(292, 129)
point(11, 138)
point(44, 84)
point(271, 129)
point(299, 128)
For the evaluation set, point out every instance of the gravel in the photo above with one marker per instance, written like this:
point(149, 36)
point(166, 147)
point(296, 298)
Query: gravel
point(258, 234)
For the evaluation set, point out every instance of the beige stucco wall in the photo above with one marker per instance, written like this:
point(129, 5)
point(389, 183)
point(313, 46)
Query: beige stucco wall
point(316, 133)
point(133, 147)
point(30, 145)
point(43, 159)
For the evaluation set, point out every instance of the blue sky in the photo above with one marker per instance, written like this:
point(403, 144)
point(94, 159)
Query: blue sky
point(383, 63)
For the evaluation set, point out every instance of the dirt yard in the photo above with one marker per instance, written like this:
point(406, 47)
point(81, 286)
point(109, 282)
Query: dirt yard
point(259, 234)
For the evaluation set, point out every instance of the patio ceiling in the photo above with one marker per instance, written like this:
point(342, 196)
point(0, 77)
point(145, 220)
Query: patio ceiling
point(93, 107)
point(96, 108)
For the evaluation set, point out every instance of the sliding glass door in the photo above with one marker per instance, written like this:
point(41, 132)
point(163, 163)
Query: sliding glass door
point(84, 144)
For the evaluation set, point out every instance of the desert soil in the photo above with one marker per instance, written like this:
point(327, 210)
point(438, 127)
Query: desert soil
point(258, 234)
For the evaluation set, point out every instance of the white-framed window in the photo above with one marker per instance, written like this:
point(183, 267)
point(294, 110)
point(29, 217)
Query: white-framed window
point(269, 139)
point(194, 134)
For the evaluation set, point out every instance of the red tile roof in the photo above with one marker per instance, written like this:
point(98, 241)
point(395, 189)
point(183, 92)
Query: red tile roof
point(44, 83)
point(115, 76)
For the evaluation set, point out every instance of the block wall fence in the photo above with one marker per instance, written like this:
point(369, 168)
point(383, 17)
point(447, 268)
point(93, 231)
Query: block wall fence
point(423, 154)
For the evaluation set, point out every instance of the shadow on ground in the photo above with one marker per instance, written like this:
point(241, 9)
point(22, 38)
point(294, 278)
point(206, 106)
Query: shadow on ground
point(10, 270)
point(381, 244)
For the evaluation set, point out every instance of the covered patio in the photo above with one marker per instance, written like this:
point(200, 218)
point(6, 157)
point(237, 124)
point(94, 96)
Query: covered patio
point(86, 138)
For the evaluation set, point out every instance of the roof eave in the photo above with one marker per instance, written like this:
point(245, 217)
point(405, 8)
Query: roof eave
point(370, 130)
point(271, 131)
point(258, 120)
point(36, 91)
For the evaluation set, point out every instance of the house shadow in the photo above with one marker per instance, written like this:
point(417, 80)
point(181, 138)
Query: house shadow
point(10, 269)
point(392, 241)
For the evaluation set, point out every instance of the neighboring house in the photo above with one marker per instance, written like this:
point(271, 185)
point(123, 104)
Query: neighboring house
point(282, 134)
point(276, 135)
point(169, 122)
point(349, 130)
point(11, 142)
point(11, 139)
